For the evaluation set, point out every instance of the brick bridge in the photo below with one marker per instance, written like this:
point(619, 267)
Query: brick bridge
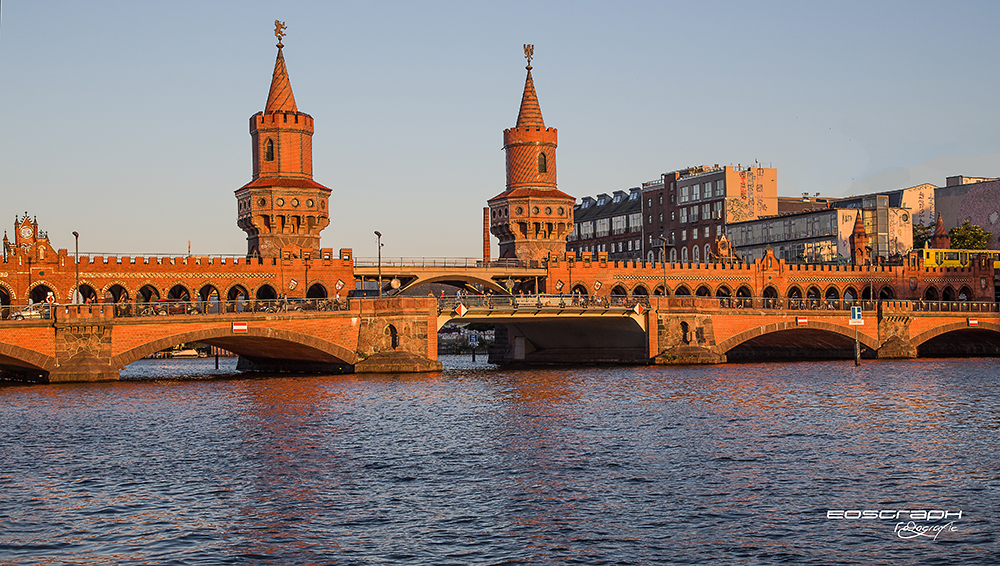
point(91, 343)
point(686, 330)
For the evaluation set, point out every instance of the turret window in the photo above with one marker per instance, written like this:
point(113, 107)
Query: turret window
point(543, 166)
point(269, 150)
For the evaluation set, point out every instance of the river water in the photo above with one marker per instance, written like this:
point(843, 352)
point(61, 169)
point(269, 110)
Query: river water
point(731, 464)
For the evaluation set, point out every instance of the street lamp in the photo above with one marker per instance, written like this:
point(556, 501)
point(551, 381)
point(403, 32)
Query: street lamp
point(379, 240)
point(663, 260)
point(871, 276)
point(76, 293)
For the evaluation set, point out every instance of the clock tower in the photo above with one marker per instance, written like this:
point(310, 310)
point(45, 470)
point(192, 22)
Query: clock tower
point(282, 209)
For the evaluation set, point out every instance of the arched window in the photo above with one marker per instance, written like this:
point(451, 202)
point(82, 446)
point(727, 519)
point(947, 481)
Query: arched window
point(269, 150)
point(684, 254)
point(694, 254)
point(543, 166)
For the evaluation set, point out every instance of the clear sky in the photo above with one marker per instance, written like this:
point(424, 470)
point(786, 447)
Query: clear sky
point(128, 121)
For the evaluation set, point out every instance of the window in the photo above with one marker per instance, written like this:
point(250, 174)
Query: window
point(684, 215)
point(684, 235)
point(618, 198)
point(269, 150)
point(650, 203)
point(630, 245)
point(543, 165)
point(635, 222)
point(661, 198)
point(673, 215)
point(671, 198)
point(618, 224)
point(661, 217)
point(684, 254)
point(696, 192)
point(650, 218)
point(694, 213)
point(603, 225)
point(694, 254)
point(720, 188)
point(706, 210)
point(708, 231)
point(673, 255)
point(708, 252)
point(685, 191)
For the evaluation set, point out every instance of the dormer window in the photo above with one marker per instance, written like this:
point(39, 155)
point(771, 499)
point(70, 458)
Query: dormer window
point(269, 150)
point(543, 166)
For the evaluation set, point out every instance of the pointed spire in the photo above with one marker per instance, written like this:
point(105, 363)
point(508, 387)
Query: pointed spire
point(940, 240)
point(280, 97)
point(530, 114)
point(859, 225)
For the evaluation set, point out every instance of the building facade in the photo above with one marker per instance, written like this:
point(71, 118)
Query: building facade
point(688, 210)
point(823, 235)
point(973, 199)
point(608, 223)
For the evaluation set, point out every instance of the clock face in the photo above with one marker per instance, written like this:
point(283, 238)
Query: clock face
point(26, 231)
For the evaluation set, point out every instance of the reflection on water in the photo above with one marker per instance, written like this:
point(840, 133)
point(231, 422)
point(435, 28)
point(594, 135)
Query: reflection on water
point(183, 463)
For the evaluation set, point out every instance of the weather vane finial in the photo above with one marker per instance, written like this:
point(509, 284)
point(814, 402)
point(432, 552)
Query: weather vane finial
point(279, 31)
point(529, 52)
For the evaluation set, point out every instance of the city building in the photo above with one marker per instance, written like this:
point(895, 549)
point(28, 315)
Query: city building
point(688, 209)
point(920, 200)
point(532, 218)
point(609, 223)
point(824, 235)
point(974, 199)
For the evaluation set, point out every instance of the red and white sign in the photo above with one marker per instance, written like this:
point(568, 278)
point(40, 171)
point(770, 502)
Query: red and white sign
point(801, 320)
point(856, 321)
point(638, 309)
point(973, 322)
point(461, 310)
point(239, 328)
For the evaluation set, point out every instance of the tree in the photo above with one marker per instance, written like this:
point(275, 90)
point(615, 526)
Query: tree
point(921, 234)
point(969, 236)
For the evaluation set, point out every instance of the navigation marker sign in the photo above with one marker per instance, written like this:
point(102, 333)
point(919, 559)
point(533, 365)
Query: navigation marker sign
point(856, 319)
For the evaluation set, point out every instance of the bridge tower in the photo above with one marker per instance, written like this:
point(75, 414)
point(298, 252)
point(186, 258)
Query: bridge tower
point(532, 218)
point(282, 209)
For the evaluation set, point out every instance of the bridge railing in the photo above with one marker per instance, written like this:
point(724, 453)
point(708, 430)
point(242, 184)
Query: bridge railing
point(462, 262)
point(507, 302)
point(179, 307)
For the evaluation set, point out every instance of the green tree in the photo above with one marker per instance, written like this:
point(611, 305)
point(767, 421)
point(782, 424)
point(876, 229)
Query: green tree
point(921, 234)
point(969, 237)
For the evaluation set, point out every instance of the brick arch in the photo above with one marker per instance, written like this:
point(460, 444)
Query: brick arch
point(234, 285)
point(71, 294)
point(339, 352)
point(918, 340)
point(118, 282)
point(846, 332)
point(31, 358)
point(40, 282)
point(10, 291)
point(487, 282)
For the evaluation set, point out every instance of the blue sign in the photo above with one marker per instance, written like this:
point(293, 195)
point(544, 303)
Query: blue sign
point(856, 313)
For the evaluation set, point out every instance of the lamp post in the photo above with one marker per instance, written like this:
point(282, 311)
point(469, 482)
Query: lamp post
point(871, 277)
point(663, 260)
point(76, 293)
point(378, 235)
